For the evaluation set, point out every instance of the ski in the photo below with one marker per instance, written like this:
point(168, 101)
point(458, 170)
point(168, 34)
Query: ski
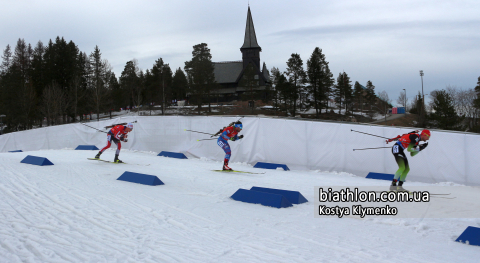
point(103, 160)
point(394, 191)
point(444, 197)
point(409, 192)
point(117, 163)
point(234, 171)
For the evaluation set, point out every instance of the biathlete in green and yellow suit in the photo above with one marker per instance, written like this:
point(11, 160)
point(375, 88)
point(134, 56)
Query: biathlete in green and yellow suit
point(407, 142)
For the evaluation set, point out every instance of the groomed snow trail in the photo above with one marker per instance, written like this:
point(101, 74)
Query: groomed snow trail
point(76, 211)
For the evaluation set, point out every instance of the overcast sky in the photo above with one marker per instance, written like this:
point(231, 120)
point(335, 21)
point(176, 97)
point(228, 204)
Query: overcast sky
point(387, 42)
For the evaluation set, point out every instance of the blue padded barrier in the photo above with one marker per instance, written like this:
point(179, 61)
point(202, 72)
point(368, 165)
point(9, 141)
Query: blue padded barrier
point(263, 198)
point(173, 155)
point(35, 160)
point(16, 151)
point(293, 197)
point(271, 166)
point(470, 236)
point(140, 178)
point(86, 147)
point(380, 176)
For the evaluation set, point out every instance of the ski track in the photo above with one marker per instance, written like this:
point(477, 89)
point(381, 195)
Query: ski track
point(76, 211)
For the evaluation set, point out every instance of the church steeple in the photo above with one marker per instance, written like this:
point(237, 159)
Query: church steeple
point(250, 49)
point(250, 37)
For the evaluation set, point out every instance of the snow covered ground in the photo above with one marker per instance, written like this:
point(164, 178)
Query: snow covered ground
point(76, 211)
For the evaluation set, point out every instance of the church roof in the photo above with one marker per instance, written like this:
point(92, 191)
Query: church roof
point(250, 37)
point(266, 73)
point(227, 72)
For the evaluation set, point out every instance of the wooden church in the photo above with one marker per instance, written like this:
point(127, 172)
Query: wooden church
point(229, 75)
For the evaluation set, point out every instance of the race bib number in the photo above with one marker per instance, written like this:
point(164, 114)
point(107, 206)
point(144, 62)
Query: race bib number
point(395, 149)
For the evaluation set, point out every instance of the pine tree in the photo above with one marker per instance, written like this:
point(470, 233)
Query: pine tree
point(84, 73)
point(358, 95)
point(38, 69)
point(320, 79)
point(477, 90)
point(476, 104)
point(370, 95)
point(296, 76)
point(200, 74)
point(130, 83)
point(100, 77)
point(116, 92)
point(286, 91)
point(445, 114)
point(6, 60)
point(159, 83)
point(274, 92)
point(343, 91)
point(179, 85)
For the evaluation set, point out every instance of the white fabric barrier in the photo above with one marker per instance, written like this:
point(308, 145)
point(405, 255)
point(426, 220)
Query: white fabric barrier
point(300, 144)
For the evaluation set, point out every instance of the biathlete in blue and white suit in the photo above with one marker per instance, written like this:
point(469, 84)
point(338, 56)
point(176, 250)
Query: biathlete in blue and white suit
point(229, 133)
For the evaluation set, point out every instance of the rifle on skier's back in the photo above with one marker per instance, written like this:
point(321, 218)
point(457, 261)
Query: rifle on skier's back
point(222, 129)
point(400, 136)
point(123, 123)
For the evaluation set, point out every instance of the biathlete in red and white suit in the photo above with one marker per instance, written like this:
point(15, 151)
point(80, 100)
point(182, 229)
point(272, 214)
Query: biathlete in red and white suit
point(116, 134)
point(229, 133)
point(407, 142)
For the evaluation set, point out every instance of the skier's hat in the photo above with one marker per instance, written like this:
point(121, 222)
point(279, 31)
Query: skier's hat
point(130, 125)
point(427, 132)
point(238, 124)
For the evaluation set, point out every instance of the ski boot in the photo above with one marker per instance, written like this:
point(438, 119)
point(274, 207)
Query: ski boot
point(116, 160)
point(98, 155)
point(400, 187)
point(393, 186)
point(225, 167)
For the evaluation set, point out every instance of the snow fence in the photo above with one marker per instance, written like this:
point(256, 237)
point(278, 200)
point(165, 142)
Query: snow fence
point(300, 144)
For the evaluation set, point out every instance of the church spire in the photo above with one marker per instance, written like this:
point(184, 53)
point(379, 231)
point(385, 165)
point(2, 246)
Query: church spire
point(250, 37)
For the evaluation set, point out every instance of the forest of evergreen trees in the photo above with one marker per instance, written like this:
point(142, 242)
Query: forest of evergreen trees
point(58, 83)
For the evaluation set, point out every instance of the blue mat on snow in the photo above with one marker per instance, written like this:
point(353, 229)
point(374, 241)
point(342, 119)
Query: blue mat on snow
point(293, 197)
point(173, 155)
point(86, 147)
point(263, 198)
point(140, 178)
point(470, 236)
point(35, 160)
point(380, 176)
point(16, 151)
point(271, 166)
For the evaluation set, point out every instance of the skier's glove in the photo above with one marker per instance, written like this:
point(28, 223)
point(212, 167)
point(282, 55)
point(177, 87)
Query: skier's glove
point(125, 140)
point(423, 146)
point(240, 137)
point(232, 139)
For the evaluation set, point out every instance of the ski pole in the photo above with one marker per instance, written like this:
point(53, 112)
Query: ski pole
point(198, 132)
point(371, 148)
point(93, 128)
point(370, 134)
